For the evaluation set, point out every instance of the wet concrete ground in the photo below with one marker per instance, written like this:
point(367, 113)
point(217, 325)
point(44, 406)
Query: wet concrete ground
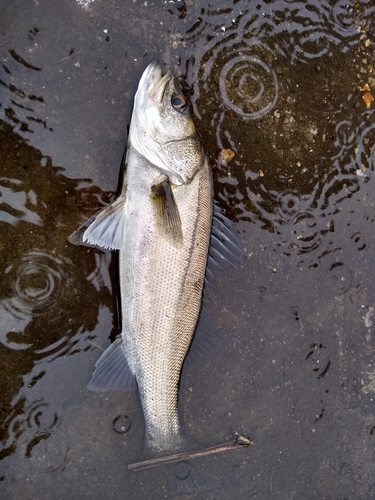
point(282, 84)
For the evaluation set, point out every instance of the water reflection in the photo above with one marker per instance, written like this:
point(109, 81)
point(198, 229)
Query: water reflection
point(43, 281)
point(281, 84)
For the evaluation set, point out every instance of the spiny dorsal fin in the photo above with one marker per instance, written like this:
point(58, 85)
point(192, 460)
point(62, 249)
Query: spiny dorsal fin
point(166, 211)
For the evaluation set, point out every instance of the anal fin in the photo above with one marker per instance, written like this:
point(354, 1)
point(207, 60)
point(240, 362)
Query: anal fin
point(112, 371)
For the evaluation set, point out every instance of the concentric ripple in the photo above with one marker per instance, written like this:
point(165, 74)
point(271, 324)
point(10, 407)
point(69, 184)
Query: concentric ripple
point(240, 76)
point(248, 86)
point(39, 281)
point(35, 422)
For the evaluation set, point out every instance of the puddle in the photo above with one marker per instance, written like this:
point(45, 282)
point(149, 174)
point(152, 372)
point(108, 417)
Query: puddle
point(284, 85)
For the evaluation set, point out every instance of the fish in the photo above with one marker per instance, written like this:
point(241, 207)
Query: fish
point(171, 239)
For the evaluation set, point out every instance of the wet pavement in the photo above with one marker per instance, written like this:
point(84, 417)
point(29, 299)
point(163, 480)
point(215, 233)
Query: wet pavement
point(284, 85)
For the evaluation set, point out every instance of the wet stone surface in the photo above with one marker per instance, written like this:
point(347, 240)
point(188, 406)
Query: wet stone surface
point(287, 87)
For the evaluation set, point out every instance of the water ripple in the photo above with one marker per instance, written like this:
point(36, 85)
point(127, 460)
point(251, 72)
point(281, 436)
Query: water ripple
point(364, 159)
point(280, 83)
point(42, 275)
point(39, 280)
point(33, 421)
point(343, 18)
point(248, 86)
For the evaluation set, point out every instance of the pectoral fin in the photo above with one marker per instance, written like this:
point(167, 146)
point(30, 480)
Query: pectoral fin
point(166, 211)
point(107, 230)
point(76, 238)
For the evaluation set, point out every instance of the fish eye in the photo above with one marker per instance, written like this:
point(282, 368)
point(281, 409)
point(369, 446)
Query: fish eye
point(179, 103)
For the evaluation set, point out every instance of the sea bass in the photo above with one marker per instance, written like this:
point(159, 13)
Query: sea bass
point(162, 224)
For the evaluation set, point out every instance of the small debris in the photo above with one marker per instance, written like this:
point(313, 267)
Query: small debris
point(361, 171)
point(71, 53)
point(225, 156)
point(367, 98)
point(177, 40)
point(365, 88)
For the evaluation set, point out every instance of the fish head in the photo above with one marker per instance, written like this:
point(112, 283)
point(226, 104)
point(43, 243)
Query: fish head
point(162, 129)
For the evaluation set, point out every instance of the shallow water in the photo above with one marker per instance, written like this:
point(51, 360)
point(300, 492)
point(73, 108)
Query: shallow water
point(280, 83)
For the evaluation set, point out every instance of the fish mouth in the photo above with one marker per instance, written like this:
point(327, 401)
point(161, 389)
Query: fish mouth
point(160, 82)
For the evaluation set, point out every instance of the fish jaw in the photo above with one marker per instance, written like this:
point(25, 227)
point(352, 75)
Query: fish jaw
point(152, 79)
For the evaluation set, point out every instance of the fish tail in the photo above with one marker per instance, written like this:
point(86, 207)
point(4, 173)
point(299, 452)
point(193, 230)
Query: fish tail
point(175, 442)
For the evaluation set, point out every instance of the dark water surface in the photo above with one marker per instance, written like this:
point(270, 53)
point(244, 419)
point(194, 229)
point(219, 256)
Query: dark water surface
point(282, 84)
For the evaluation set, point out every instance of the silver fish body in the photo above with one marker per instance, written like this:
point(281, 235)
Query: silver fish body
point(161, 291)
point(161, 225)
